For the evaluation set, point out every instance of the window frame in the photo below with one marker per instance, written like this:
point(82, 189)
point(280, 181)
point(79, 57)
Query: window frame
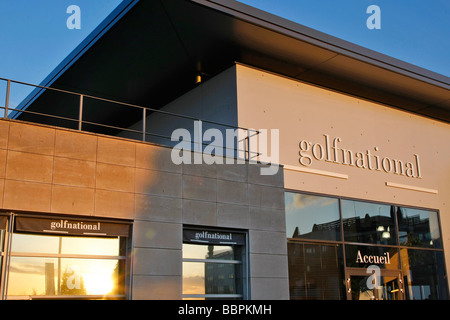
point(243, 264)
point(122, 258)
point(398, 244)
point(5, 243)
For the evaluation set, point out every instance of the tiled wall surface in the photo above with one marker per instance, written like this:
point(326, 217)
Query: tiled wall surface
point(57, 171)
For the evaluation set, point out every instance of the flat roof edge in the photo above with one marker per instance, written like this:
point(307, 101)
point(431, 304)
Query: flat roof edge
point(314, 37)
point(91, 39)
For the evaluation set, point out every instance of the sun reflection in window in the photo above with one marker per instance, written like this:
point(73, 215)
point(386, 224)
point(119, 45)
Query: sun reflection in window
point(72, 266)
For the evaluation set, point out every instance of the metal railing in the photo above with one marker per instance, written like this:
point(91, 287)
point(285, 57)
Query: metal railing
point(80, 123)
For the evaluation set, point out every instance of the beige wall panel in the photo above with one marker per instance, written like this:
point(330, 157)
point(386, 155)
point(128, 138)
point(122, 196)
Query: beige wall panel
point(158, 183)
point(157, 262)
point(29, 167)
point(149, 157)
point(162, 287)
point(199, 188)
point(156, 208)
point(116, 151)
point(115, 177)
point(73, 200)
point(157, 235)
point(232, 215)
point(267, 242)
point(277, 292)
point(27, 196)
point(2, 163)
point(2, 189)
point(69, 144)
point(74, 172)
point(232, 192)
point(304, 112)
point(29, 138)
point(114, 204)
point(198, 212)
point(4, 134)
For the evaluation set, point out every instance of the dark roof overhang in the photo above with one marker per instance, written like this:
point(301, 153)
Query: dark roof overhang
point(149, 52)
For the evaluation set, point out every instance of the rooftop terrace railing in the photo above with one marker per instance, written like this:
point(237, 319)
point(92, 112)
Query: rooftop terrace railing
point(18, 110)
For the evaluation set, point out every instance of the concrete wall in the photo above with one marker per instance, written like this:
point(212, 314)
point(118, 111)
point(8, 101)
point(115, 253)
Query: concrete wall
point(57, 171)
point(214, 100)
point(305, 112)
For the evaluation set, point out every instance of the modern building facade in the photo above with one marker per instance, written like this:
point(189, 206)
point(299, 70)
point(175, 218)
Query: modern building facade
point(304, 167)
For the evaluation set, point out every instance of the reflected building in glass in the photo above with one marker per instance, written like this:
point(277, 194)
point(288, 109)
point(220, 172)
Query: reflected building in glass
point(220, 278)
point(222, 152)
point(374, 238)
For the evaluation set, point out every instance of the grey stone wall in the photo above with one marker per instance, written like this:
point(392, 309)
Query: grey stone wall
point(227, 196)
point(57, 171)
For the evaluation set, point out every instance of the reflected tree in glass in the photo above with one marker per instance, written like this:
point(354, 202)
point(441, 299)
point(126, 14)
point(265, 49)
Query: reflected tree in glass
point(312, 217)
point(72, 283)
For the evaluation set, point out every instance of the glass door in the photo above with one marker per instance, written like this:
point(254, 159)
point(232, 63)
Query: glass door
point(374, 284)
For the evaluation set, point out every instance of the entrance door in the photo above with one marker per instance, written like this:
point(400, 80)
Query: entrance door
point(374, 284)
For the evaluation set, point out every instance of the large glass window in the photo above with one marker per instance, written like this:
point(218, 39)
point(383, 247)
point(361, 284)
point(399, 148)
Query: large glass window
point(419, 228)
point(424, 274)
point(368, 222)
point(341, 248)
point(58, 258)
point(312, 217)
point(45, 266)
point(315, 271)
point(214, 267)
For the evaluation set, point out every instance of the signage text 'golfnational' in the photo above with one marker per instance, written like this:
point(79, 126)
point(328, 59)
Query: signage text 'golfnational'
point(329, 150)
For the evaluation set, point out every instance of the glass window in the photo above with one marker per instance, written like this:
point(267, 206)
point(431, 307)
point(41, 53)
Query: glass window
point(424, 274)
point(405, 244)
point(368, 222)
point(375, 287)
point(315, 271)
point(312, 217)
point(90, 246)
point(65, 245)
point(211, 279)
point(53, 266)
point(194, 251)
point(35, 243)
point(2, 243)
point(2, 239)
point(41, 276)
point(419, 228)
point(212, 271)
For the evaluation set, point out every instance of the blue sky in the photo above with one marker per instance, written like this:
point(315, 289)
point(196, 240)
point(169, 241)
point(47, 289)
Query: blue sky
point(34, 37)
point(415, 31)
